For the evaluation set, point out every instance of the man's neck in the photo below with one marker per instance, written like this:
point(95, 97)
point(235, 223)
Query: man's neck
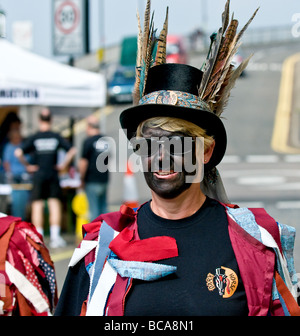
point(45, 127)
point(93, 133)
point(182, 206)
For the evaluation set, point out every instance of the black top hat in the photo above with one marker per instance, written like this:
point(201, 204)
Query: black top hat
point(172, 91)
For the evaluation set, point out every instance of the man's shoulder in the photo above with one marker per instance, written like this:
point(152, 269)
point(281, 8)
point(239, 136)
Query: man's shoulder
point(256, 222)
point(53, 134)
point(104, 228)
point(117, 220)
point(46, 134)
point(91, 139)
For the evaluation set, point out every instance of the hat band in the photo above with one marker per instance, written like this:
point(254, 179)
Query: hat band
point(179, 98)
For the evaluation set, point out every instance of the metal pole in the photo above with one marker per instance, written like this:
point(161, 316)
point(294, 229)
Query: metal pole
point(101, 51)
point(102, 23)
point(204, 21)
point(87, 28)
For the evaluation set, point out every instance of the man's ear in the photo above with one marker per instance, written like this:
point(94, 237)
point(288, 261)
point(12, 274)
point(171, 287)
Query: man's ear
point(208, 153)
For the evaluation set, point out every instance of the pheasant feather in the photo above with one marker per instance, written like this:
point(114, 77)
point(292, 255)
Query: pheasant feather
point(136, 90)
point(207, 67)
point(162, 43)
point(229, 37)
point(215, 45)
point(225, 16)
point(246, 25)
point(219, 75)
point(148, 61)
point(222, 65)
point(228, 86)
point(146, 29)
point(150, 50)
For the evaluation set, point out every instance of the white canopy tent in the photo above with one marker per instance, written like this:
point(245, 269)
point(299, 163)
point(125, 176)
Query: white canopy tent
point(29, 79)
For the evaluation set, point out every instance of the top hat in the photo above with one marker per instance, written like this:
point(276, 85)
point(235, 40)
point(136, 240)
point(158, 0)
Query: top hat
point(171, 90)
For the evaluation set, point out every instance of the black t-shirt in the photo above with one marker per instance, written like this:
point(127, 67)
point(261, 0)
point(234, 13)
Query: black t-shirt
point(92, 148)
point(203, 247)
point(207, 275)
point(44, 146)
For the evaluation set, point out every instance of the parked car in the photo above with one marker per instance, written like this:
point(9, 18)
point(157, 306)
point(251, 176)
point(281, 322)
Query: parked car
point(176, 51)
point(121, 85)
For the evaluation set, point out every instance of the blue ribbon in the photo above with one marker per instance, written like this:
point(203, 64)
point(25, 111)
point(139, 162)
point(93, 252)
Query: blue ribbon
point(141, 270)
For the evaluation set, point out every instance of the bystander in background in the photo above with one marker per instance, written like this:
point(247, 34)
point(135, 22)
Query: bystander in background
point(16, 174)
point(10, 122)
point(44, 145)
point(94, 182)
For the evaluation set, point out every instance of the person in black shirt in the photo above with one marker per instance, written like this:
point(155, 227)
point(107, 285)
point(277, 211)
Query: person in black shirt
point(204, 245)
point(187, 251)
point(93, 180)
point(181, 210)
point(44, 146)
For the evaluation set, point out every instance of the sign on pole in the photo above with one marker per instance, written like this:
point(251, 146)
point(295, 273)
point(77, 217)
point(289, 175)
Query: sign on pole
point(69, 22)
point(22, 34)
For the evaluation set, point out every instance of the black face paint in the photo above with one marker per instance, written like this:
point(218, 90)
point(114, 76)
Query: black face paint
point(165, 174)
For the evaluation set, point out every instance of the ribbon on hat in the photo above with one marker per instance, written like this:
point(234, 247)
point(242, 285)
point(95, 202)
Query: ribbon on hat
point(179, 98)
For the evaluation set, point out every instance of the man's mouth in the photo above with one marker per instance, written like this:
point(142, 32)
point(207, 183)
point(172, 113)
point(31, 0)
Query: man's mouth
point(165, 175)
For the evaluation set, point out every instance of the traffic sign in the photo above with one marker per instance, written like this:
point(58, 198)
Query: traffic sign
point(67, 17)
point(69, 28)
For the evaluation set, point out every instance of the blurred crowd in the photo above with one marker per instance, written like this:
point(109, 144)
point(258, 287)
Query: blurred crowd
point(32, 170)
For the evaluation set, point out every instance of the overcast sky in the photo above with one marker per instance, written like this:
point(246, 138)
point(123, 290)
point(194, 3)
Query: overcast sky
point(120, 17)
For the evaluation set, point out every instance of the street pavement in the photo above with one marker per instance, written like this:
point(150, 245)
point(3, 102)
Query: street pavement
point(255, 173)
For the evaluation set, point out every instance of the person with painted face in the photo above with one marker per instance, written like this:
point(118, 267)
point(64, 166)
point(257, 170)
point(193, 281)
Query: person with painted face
point(187, 251)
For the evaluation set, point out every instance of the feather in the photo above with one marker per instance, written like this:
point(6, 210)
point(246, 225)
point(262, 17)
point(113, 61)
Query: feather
point(229, 37)
point(223, 61)
point(208, 66)
point(214, 49)
point(233, 47)
point(136, 91)
point(148, 61)
point(222, 77)
point(139, 42)
point(162, 43)
point(225, 16)
point(246, 25)
point(225, 72)
point(235, 44)
point(146, 45)
point(228, 86)
point(146, 29)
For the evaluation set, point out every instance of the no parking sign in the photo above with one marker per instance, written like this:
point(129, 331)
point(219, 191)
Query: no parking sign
point(69, 27)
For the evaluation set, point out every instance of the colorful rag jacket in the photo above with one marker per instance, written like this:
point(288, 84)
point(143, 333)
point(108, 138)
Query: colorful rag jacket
point(114, 255)
point(27, 277)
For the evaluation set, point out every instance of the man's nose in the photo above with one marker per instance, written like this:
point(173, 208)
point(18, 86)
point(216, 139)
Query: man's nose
point(162, 152)
point(163, 157)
